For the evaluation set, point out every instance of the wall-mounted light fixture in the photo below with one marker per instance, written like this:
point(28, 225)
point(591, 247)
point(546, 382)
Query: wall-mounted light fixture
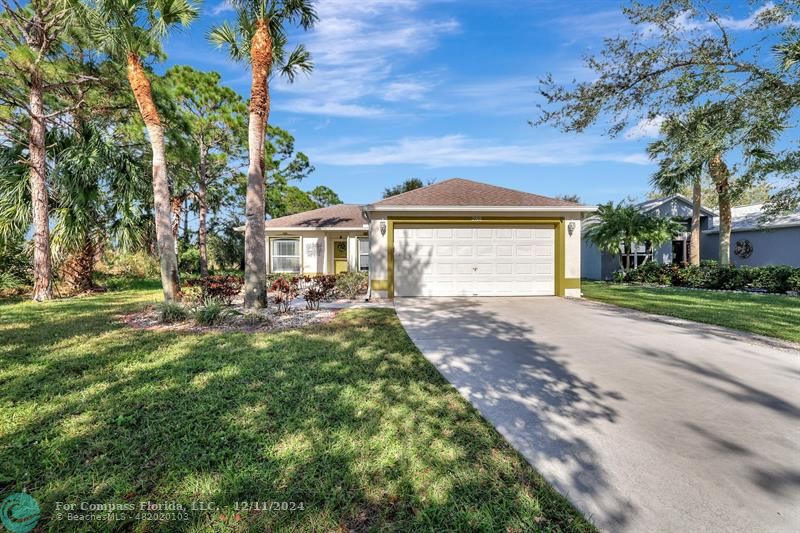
point(571, 228)
point(383, 227)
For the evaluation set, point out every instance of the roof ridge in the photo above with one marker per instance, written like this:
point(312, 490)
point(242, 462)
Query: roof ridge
point(434, 184)
point(517, 191)
point(482, 184)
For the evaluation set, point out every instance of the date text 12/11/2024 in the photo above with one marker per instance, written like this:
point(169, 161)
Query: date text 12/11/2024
point(201, 506)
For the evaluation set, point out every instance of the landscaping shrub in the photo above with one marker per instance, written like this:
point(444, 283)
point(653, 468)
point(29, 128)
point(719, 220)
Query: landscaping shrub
point(711, 275)
point(774, 278)
point(171, 312)
point(794, 280)
point(138, 265)
point(10, 282)
point(210, 313)
point(286, 290)
point(222, 288)
point(318, 289)
point(189, 260)
point(15, 264)
point(351, 285)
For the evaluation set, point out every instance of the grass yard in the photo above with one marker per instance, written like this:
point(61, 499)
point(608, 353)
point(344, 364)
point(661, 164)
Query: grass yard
point(772, 315)
point(346, 419)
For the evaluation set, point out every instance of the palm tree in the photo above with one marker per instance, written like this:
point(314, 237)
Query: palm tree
point(675, 172)
point(129, 31)
point(259, 36)
point(620, 229)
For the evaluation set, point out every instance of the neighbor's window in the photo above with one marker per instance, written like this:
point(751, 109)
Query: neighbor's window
point(363, 254)
point(286, 255)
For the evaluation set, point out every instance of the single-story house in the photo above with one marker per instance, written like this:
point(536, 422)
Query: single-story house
point(453, 238)
point(753, 242)
point(756, 243)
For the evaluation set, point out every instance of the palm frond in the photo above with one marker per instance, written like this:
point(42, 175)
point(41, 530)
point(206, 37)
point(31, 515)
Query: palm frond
point(299, 60)
point(226, 36)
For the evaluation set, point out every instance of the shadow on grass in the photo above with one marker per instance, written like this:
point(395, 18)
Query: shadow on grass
point(346, 418)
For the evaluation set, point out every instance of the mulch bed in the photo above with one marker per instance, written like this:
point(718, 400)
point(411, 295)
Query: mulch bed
point(238, 320)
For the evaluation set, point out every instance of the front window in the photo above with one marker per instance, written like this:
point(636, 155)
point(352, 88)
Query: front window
point(286, 255)
point(363, 254)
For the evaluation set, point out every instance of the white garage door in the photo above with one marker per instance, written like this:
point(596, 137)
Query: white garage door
point(474, 261)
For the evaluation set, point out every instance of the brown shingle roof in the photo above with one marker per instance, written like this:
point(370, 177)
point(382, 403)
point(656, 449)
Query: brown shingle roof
point(461, 192)
point(335, 216)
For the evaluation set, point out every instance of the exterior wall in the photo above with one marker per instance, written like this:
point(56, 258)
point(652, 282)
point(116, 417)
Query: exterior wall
point(779, 246)
point(572, 255)
point(595, 264)
point(567, 277)
point(378, 264)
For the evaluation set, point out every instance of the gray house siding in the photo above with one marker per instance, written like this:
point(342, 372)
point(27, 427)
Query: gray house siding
point(777, 246)
point(597, 265)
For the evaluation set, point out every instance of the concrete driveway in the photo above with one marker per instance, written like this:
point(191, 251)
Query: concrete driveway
point(643, 425)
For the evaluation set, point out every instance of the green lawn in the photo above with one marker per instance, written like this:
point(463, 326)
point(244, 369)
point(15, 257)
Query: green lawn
point(772, 315)
point(346, 419)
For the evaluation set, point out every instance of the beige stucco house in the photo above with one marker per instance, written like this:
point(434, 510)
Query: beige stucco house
point(453, 238)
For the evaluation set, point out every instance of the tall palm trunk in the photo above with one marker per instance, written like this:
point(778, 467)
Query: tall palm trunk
point(140, 85)
point(255, 253)
point(720, 174)
point(42, 262)
point(202, 209)
point(697, 201)
point(176, 206)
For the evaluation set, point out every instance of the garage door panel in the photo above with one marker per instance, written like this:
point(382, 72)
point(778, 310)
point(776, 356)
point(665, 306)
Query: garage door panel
point(469, 261)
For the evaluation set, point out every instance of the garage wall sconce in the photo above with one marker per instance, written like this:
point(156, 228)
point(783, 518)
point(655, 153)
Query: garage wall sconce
point(383, 227)
point(571, 228)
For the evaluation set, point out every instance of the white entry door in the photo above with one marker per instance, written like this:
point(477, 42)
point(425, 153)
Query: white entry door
point(474, 261)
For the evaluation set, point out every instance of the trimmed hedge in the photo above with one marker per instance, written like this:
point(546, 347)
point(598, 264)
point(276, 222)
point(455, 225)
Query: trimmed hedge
point(711, 275)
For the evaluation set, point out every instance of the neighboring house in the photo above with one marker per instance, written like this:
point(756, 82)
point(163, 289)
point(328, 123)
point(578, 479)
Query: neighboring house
point(757, 243)
point(753, 243)
point(453, 238)
point(601, 265)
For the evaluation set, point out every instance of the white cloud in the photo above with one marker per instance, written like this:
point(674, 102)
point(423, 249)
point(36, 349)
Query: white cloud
point(460, 150)
point(356, 48)
point(647, 128)
point(223, 7)
point(748, 23)
point(329, 109)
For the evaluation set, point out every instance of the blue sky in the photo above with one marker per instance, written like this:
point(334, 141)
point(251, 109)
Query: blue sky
point(443, 88)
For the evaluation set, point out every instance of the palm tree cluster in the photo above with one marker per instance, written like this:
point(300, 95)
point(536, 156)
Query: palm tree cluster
point(623, 230)
point(72, 155)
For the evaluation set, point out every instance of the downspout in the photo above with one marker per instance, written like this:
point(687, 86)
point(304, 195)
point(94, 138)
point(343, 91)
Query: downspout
point(365, 213)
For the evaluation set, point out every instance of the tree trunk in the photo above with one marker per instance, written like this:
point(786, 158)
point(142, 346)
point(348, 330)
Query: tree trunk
point(697, 199)
point(202, 214)
point(255, 253)
point(42, 262)
point(719, 173)
point(140, 85)
point(186, 222)
point(176, 206)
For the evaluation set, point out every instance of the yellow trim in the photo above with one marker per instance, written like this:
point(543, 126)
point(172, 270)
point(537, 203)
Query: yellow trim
point(572, 283)
point(380, 284)
point(557, 223)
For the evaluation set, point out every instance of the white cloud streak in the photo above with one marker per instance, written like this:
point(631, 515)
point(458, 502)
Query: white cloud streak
point(460, 150)
point(647, 128)
point(355, 47)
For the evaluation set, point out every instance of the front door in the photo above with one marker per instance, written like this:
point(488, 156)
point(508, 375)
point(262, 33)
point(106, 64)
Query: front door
point(339, 256)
